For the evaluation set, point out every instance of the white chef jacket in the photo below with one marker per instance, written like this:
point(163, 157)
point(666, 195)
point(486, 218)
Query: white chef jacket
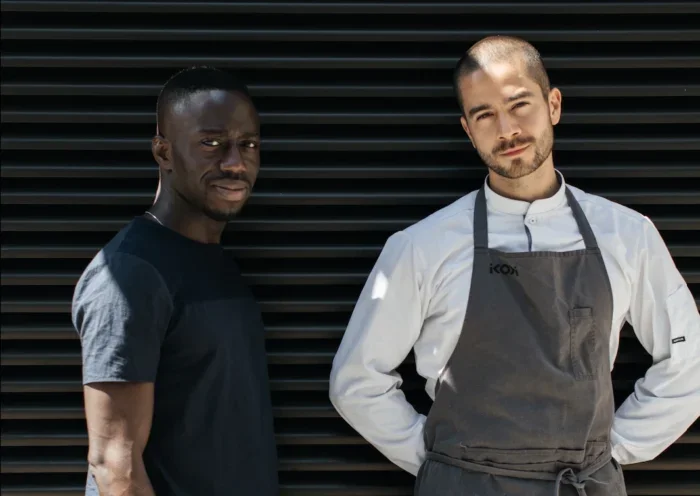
point(416, 298)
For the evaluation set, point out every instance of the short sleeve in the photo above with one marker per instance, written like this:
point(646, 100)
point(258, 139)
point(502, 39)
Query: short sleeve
point(121, 311)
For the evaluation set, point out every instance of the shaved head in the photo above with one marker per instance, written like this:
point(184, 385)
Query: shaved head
point(495, 49)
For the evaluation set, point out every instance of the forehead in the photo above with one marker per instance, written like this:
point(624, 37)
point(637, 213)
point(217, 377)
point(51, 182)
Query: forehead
point(495, 82)
point(215, 109)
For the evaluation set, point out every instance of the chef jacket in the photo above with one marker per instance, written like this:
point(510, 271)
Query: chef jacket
point(416, 295)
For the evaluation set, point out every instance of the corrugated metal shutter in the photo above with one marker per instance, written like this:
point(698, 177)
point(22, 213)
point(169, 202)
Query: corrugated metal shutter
point(361, 139)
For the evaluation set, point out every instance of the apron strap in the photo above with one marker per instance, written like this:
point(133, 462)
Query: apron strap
point(584, 226)
point(481, 236)
point(566, 476)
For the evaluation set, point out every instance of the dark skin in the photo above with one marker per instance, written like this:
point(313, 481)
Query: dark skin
point(209, 157)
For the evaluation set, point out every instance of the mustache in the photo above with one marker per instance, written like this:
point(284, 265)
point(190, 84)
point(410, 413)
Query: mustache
point(230, 176)
point(507, 145)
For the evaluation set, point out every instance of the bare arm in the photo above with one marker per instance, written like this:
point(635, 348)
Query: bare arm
point(119, 422)
point(121, 311)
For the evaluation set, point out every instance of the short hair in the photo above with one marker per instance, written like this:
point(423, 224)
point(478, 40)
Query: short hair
point(498, 49)
point(192, 80)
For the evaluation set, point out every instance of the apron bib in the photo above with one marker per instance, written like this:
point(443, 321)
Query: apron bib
point(525, 405)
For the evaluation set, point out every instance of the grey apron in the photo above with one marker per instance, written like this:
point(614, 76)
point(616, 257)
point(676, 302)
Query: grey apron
point(525, 404)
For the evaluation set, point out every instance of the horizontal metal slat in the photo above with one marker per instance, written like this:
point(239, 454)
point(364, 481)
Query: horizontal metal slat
point(12, 278)
point(258, 251)
point(276, 383)
point(316, 357)
point(24, 465)
point(345, 35)
point(282, 225)
point(16, 197)
point(325, 489)
point(267, 306)
point(47, 358)
point(356, 145)
point(52, 412)
point(338, 118)
point(330, 63)
point(247, 252)
point(259, 278)
point(368, 8)
point(312, 331)
point(320, 383)
point(345, 91)
point(79, 438)
point(12, 169)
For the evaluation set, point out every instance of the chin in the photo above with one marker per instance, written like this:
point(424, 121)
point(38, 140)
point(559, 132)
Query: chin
point(223, 214)
point(514, 168)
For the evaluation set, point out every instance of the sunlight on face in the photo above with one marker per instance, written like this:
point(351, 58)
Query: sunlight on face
point(508, 118)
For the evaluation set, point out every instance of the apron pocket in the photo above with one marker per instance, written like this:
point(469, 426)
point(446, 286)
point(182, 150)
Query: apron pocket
point(583, 345)
point(525, 457)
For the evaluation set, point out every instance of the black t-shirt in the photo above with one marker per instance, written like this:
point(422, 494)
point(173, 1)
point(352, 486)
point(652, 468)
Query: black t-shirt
point(156, 306)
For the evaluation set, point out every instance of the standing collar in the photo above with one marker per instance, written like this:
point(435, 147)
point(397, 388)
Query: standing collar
point(505, 205)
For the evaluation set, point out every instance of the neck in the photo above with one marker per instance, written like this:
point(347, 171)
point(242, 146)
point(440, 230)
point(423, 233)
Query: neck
point(540, 184)
point(177, 214)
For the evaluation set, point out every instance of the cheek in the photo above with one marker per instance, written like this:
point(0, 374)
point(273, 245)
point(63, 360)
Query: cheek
point(252, 163)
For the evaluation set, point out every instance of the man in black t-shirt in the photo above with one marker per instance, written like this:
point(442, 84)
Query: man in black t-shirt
point(174, 367)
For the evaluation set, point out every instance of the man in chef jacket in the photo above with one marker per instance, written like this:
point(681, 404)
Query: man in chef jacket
point(519, 369)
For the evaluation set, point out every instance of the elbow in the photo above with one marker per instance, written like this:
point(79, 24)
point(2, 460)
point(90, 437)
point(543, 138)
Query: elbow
point(111, 464)
point(334, 393)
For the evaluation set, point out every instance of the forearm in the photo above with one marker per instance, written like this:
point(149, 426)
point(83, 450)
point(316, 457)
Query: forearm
point(387, 421)
point(121, 473)
point(665, 403)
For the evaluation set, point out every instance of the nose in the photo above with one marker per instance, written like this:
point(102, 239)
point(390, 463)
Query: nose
point(232, 160)
point(508, 127)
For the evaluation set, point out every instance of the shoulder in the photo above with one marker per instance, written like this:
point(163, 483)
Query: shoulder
point(432, 239)
point(602, 211)
point(122, 265)
point(621, 231)
point(455, 218)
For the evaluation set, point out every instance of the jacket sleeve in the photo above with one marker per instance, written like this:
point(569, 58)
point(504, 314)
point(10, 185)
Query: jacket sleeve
point(664, 315)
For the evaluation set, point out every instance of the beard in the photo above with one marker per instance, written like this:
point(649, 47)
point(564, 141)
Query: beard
point(519, 167)
point(220, 215)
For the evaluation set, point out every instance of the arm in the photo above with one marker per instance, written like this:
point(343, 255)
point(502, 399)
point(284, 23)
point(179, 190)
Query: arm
point(364, 384)
point(119, 423)
point(663, 313)
point(121, 310)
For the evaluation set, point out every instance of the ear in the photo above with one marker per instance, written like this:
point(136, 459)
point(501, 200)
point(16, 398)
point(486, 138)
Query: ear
point(162, 152)
point(555, 106)
point(465, 126)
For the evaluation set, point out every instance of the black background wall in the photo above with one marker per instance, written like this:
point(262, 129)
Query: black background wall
point(361, 138)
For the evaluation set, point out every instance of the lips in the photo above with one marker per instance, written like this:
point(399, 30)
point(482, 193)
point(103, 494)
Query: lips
point(515, 151)
point(231, 190)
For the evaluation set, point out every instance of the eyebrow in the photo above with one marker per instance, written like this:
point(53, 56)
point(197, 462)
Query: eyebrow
point(223, 131)
point(211, 131)
point(479, 108)
point(519, 95)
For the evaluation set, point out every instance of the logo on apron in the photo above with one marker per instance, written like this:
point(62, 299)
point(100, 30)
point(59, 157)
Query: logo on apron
point(505, 269)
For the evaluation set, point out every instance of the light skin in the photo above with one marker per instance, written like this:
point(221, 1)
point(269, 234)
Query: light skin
point(510, 123)
point(208, 158)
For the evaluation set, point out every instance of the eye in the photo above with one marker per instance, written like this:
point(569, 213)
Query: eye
point(520, 104)
point(483, 116)
point(213, 142)
point(249, 144)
